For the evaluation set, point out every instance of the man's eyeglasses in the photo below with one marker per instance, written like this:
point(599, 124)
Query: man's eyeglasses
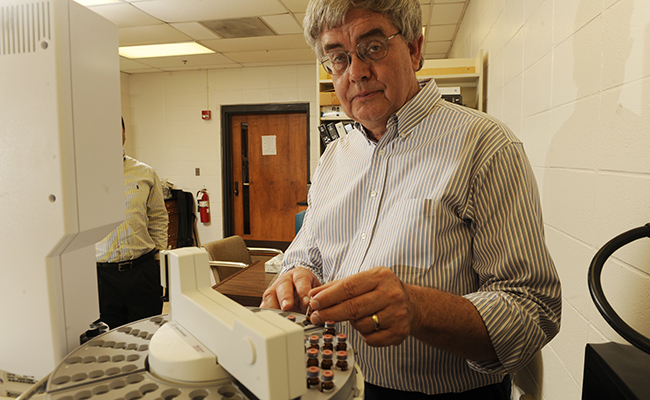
point(368, 50)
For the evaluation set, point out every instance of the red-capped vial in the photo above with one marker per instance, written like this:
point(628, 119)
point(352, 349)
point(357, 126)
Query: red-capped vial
point(342, 360)
point(328, 381)
point(341, 342)
point(327, 361)
point(291, 318)
point(328, 342)
point(313, 342)
point(312, 358)
point(330, 328)
point(312, 377)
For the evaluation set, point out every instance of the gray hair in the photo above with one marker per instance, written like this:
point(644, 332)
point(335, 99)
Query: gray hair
point(322, 15)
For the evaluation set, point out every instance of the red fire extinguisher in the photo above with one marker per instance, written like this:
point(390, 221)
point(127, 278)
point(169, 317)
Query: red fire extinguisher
point(203, 201)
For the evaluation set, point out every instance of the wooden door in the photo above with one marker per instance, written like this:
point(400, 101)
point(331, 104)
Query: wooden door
point(269, 174)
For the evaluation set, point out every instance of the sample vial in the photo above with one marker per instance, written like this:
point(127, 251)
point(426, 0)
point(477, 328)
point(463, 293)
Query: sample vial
point(330, 328)
point(313, 342)
point(342, 360)
point(312, 358)
point(312, 377)
point(291, 318)
point(327, 361)
point(341, 344)
point(328, 381)
point(328, 342)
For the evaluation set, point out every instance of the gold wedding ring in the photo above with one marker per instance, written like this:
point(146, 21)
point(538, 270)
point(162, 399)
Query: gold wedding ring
point(375, 319)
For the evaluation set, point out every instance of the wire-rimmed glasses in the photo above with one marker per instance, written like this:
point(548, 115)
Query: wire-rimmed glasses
point(369, 50)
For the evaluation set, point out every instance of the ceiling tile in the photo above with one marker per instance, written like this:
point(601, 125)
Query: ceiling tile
point(172, 21)
point(195, 30)
point(124, 15)
point(443, 14)
point(300, 17)
point(126, 63)
point(257, 44)
point(154, 34)
point(206, 10)
point(441, 32)
point(282, 24)
point(434, 56)
point(437, 47)
point(276, 63)
point(184, 62)
point(426, 15)
point(296, 6)
point(273, 56)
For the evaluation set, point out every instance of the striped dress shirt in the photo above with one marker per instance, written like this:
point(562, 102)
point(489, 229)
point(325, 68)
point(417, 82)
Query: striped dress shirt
point(446, 199)
point(145, 226)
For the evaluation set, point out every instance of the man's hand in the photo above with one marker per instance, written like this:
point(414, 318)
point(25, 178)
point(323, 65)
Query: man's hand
point(290, 291)
point(386, 311)
point(376, 303)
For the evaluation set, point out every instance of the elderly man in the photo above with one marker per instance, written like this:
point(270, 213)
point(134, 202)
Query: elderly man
point(424, 233)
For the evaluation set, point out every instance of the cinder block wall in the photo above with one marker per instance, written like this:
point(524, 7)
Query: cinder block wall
point(572, 79)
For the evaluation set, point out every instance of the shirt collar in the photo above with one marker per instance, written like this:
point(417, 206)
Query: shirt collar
point(411, 113)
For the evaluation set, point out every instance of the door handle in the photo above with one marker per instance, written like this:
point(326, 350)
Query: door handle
point(236, 188)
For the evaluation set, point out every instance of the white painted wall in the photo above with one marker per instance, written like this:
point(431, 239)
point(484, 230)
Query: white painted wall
point(165, 129)
point(572, 79)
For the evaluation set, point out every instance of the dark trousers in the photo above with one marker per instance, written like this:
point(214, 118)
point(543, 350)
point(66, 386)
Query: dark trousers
point(497, 391)
point(129, 292)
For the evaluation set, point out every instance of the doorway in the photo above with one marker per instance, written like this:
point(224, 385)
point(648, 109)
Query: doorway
point(265, 171)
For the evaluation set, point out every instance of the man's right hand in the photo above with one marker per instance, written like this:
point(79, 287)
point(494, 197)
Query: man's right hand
point(290, 290)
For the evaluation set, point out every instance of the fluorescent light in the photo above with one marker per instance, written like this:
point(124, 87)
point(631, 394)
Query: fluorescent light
point(164, 50)
point(89, 3)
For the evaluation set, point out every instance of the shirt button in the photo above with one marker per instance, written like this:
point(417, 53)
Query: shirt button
point(363, 236)
point(373, 194)
point(382, 152)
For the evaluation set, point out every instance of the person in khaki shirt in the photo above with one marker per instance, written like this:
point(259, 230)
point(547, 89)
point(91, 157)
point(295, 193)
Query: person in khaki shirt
point(128, 271)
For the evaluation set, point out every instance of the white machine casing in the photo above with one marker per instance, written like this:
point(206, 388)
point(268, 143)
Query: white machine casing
point(61, 175)
point(263, 350)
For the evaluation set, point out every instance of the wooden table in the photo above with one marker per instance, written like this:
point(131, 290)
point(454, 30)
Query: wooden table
point(247, 286)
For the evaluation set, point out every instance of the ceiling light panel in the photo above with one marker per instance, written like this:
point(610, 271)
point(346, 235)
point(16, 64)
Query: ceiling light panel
point(284, 24)
point(163, 50)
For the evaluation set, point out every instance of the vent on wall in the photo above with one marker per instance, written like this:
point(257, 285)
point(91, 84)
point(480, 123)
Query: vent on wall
point(23, 27)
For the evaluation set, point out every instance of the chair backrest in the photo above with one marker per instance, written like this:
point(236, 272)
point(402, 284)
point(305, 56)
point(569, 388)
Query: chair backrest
point(232, 248)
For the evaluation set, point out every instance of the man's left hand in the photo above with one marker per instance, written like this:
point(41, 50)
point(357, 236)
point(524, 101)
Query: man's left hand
point(376, 303)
